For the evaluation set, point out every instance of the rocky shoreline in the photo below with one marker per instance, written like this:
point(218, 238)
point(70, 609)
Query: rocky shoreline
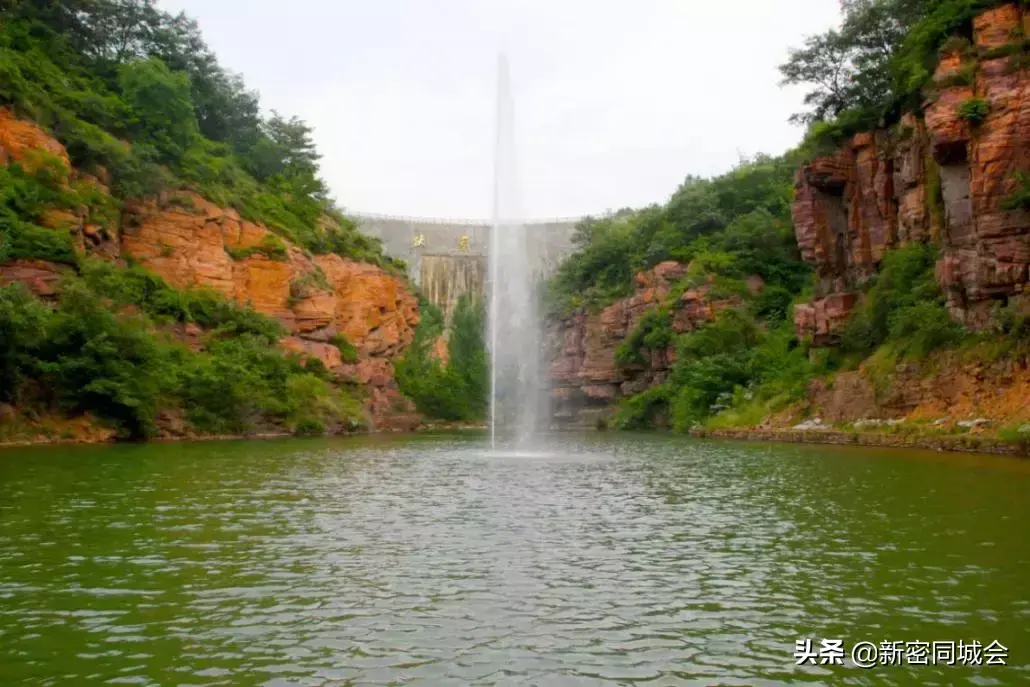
point(951, 444)
point(97, 440)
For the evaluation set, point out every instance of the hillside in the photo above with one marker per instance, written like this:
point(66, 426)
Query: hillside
point(871, 281)
point(171, 264)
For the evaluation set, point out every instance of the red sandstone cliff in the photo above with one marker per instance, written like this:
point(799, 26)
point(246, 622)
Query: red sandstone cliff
point(935, 176)
point(586, 380)
point(189, 245)
point(190, 242)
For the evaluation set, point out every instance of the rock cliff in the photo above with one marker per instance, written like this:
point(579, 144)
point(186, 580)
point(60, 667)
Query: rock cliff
point(939, 176)
point(191, 242)
point(21, 141)
point(585, 377)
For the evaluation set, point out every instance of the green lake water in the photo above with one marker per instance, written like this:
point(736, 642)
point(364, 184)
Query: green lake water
point(613, 559)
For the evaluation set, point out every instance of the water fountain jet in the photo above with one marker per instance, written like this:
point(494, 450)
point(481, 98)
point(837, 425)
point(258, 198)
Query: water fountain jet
point(515, 399)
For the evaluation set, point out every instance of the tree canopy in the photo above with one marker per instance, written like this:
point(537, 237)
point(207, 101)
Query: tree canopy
point(738, 222)
point(877, 63)
point(99, 73)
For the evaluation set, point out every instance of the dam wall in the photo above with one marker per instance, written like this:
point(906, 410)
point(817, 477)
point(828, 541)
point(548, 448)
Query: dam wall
point(448, 257)
point(443, 278)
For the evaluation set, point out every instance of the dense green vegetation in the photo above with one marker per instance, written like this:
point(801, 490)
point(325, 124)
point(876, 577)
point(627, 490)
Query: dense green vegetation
point(902, 305)
point(106, 348)
point(727, 229)
point(738, 224)
point(28, 194)
point(137, 97)
point(458, 390)
point(747, 362)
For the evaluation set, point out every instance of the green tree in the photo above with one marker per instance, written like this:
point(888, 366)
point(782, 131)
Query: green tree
point(825, 62)
point(164, 118)
point(457, 391)
point(466, 350)
point(23, 323)
point(100, 362)
point(285, 149)
point(906, 278)
point(876, 65)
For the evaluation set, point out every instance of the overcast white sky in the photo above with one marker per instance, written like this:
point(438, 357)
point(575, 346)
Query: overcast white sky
point(616, 101)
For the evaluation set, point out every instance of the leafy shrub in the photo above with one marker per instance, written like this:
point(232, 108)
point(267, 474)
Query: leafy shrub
point(317, 368)
point(240, 383)
point(1019, 198)
point(312, 404)
point(309, 428)
point(19, 240)
point(24, 198)
point(772, 303)
point(149, 292)
point(97, 361)
point(711, 362)
point(271, 246)
point(23, 323)
point(301, 287)
point(974, 110)
point(905, 279)
point(348, 351)
point(642, 410)
point(732, 369)
point(653, 332)
point(922, 328)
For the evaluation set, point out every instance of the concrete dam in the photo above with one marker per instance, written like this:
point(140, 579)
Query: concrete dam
point(448, 257)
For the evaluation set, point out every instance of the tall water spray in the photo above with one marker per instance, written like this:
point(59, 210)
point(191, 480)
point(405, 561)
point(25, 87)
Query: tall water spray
point(514, 325)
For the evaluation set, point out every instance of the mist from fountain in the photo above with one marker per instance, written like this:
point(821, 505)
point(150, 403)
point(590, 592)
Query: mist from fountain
point(514, 323)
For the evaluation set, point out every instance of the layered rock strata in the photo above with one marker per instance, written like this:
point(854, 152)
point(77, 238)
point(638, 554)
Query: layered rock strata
point(935, 177)
point(585, 377)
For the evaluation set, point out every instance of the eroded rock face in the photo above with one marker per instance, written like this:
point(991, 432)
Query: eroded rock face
point(881, 190)
point(373, 309)
point(42, 278)
point(586, 380)
point(824, 318)
point(21, 141)
point(191, 242)
point(25, 143)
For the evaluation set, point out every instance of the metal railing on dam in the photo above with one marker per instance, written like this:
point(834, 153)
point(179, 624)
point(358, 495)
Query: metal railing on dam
point(376, 216)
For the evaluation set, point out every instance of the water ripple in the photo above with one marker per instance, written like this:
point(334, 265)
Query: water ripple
point(609, 560)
